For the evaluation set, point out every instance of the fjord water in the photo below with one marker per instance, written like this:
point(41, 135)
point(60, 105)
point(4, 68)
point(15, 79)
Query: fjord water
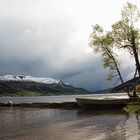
point(59, 124)
point(57, 99)
point(18, 123)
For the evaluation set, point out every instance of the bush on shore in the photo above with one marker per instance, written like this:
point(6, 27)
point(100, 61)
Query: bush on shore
point(133, 107)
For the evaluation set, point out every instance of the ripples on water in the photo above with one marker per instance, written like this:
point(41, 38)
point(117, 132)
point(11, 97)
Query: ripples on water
point(58, 124)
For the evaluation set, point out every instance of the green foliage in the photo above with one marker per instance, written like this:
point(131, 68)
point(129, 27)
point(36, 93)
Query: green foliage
point(133, 107)
point(30, 93)
point(103, 43)
point(124, 35)
point(130, 13)
point(22, 93)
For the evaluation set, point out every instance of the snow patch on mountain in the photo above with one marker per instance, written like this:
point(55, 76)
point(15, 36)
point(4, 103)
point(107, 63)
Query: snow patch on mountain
point(22, 78)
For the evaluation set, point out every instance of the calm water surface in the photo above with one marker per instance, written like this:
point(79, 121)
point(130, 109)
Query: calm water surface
point(58, 124)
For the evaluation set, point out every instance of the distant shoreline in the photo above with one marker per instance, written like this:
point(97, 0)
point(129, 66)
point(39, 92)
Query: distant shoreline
point(65, 105)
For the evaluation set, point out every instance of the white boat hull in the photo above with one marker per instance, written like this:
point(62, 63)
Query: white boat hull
point(102, 102)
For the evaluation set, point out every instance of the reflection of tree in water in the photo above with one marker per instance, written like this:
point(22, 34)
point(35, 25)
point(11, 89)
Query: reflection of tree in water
point(117, 131)
point(131, 127)
point(123, 131)
point(138, 121)
point(108, 124)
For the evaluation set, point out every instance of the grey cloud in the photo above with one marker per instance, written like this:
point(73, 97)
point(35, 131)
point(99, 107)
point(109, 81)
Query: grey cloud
point(49, 49)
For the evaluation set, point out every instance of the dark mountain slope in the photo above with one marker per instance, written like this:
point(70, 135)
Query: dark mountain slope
point(14, 87)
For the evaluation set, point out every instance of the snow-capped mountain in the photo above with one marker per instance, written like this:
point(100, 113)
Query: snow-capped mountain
point(22, 78)
point(19, 85)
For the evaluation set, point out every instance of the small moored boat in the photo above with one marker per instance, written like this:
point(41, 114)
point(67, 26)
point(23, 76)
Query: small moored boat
point(105, 102)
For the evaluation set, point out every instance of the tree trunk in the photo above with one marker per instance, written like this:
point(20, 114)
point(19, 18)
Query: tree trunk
point(135, 53)
point(136, 60)
point(118, 71)
point(120, 76)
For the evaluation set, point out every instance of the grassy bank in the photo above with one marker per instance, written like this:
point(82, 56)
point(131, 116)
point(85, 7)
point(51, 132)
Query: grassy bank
point(31, 93)
point(133, 107)
point(22, 93)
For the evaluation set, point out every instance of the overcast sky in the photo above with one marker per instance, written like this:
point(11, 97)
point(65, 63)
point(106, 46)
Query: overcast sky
point(49, 38)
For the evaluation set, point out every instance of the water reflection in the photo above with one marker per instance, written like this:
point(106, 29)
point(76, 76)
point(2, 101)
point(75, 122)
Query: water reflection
point(108, 125)
point(56, 124)
point(88, 112)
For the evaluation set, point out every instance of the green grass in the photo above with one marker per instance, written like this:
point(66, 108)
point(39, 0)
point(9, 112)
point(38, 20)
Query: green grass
point(133, 107)
point(22, 93)
point(31, 93)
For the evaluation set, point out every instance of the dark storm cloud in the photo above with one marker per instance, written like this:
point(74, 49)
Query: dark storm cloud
point(29, 50)
point(41, 39)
